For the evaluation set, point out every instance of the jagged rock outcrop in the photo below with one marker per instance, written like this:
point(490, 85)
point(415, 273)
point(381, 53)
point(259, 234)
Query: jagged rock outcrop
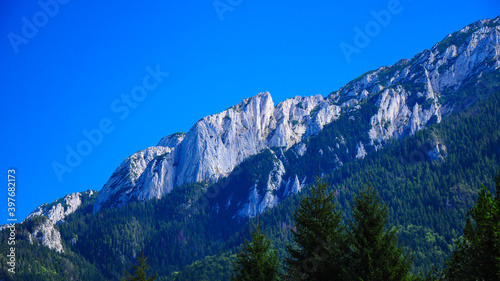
point(259, 202)
point(215, 145)
point(124, 178)
point(438, 151)
point(409, 92)
point(55, 213)
point(360, 151)
point(293, 186)
point(407, 97)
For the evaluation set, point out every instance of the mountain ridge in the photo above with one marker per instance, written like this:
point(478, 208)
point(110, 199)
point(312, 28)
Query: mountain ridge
point(409, 95)
point(152, 172)
point(216, 144)
point(382, 112)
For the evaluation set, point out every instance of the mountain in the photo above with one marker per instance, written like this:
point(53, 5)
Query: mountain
point(215, 145)
point(424, 131)
point(45, 233)
point(408, 96)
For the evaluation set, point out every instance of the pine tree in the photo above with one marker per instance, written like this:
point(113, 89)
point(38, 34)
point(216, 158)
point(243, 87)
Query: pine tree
point(256, 261)
point(140, 271)
point(375, 254)
point(318, 252)
point(478, 255)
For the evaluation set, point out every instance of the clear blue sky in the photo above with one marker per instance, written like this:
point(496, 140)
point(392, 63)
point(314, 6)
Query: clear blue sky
point(65, 67)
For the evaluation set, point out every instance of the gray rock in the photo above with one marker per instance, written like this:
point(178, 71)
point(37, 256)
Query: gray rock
point(407, 97)
point(55, 213)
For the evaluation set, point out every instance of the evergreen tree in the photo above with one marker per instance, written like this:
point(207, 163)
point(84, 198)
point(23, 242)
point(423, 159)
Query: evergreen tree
point(256, 261)
point(375, 254)
point(318, 252)
point(478, 254)
point(140, 271)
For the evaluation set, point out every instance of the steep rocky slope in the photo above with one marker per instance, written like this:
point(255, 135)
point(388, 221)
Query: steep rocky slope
point(215, 145)
point(408, 96)
point(54, 213)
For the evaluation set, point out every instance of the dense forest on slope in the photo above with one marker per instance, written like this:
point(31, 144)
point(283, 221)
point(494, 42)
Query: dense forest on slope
point(428, 198)
point(36, 262)
point(186, 233)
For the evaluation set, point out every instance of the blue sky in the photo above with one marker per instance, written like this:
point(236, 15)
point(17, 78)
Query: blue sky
point(105, 79)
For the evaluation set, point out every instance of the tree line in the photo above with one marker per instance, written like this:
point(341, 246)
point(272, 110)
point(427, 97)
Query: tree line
point(325, 247)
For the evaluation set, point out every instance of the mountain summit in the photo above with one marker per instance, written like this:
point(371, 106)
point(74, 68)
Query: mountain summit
point(408, 96)
point(215, 145)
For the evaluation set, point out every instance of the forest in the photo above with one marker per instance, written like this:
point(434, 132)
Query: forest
point(325, 247)
point(433, 208)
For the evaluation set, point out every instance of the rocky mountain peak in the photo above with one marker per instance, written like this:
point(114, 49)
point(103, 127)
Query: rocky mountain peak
point(215, 145)
point(172, 140)
point(407, 97)
point(55, 213)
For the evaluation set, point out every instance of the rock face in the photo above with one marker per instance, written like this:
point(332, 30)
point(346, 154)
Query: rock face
point(55, 213)
point(259, 203)
point(215, 145)
point(124, 178)
point(407, 97)
point(409, 92)
point(360, 151)
point(438, 152)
